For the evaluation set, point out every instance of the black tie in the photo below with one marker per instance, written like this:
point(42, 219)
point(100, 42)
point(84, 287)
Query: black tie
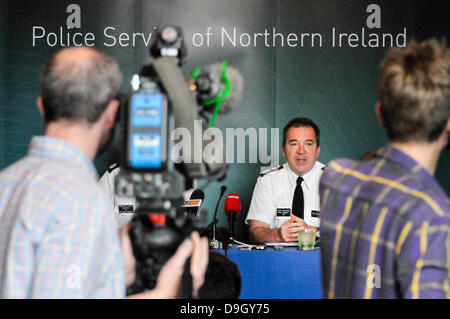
point(297, 201)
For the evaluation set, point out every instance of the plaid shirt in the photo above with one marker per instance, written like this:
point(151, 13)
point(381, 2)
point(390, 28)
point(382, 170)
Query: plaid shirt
point(384, 229)
point(58, 238)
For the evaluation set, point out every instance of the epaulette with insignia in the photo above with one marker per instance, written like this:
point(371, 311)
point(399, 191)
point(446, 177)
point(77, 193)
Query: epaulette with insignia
point(272, 169)
point(112, 167)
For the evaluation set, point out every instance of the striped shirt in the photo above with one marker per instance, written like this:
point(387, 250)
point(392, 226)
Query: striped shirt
point(58, 237)
point(384, 229)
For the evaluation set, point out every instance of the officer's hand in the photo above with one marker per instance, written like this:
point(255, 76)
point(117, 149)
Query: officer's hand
point(301, 221)
point(291, 227)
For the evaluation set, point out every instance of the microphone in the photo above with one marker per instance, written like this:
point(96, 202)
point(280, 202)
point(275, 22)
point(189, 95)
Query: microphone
point(197, 194)
point(211, 83)
point(232, 209)
point(223, 189)
point(192, 206)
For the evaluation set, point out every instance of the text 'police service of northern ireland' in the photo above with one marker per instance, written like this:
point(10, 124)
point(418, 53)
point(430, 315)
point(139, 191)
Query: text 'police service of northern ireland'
point(370, 35)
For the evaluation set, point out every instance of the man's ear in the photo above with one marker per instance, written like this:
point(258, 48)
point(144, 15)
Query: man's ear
point(379, 114)
point(110, 113)
point(40, 106)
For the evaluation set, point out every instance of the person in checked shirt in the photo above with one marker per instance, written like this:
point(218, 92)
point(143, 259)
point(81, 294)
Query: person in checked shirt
point(58, 236)
point(385, 222)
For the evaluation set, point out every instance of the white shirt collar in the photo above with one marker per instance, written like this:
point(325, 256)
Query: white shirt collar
point(308, 178)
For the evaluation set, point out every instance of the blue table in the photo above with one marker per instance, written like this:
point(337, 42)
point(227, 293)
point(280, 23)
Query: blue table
point(284, 274)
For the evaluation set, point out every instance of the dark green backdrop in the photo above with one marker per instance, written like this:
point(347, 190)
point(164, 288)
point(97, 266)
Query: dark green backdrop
point(334, 86)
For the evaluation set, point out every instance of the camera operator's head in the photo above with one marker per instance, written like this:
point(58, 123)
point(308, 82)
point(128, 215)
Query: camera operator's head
point(414, 88)
point(78, 88)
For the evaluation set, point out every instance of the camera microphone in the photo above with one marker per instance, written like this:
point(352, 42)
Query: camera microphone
point(210, 84)
point(219, 88)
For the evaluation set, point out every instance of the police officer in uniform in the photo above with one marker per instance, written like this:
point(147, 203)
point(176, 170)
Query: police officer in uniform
point(286, 198)
point(123, 207)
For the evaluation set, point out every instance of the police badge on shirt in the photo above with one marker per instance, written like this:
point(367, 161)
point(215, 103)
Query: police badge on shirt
point(283, 212)
point(126, 209)
point(312, 217)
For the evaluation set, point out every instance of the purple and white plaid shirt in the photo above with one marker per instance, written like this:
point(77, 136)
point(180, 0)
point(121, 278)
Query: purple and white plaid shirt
point(58, 237)
point(384, 229)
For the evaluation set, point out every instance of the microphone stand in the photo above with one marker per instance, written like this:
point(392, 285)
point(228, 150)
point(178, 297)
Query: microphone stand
point(214, 243)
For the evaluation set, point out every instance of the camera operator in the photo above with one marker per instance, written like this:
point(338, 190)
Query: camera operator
point(58, 238)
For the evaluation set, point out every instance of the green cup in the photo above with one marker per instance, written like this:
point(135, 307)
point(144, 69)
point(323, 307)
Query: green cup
point(306, 238)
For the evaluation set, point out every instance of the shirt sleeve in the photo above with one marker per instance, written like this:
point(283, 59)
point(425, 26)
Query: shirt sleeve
point(423, 262)
point(106, 185)
point(79, 256)
point(262, 207)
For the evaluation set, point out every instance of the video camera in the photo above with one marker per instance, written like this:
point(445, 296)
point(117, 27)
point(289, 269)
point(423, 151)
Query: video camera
point(161, 101)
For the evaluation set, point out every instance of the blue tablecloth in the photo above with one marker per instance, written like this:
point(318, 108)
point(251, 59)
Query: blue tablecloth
point(285, 274)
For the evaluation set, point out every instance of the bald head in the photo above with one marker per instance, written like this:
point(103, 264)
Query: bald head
point(78, 56)
point(77, 84)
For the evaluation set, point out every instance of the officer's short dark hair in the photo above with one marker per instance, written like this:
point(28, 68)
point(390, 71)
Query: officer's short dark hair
point(79, 91)
point(414, 87)
point(301, 122)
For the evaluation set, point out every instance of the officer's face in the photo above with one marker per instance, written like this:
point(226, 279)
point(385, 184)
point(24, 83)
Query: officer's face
point(301, 149)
